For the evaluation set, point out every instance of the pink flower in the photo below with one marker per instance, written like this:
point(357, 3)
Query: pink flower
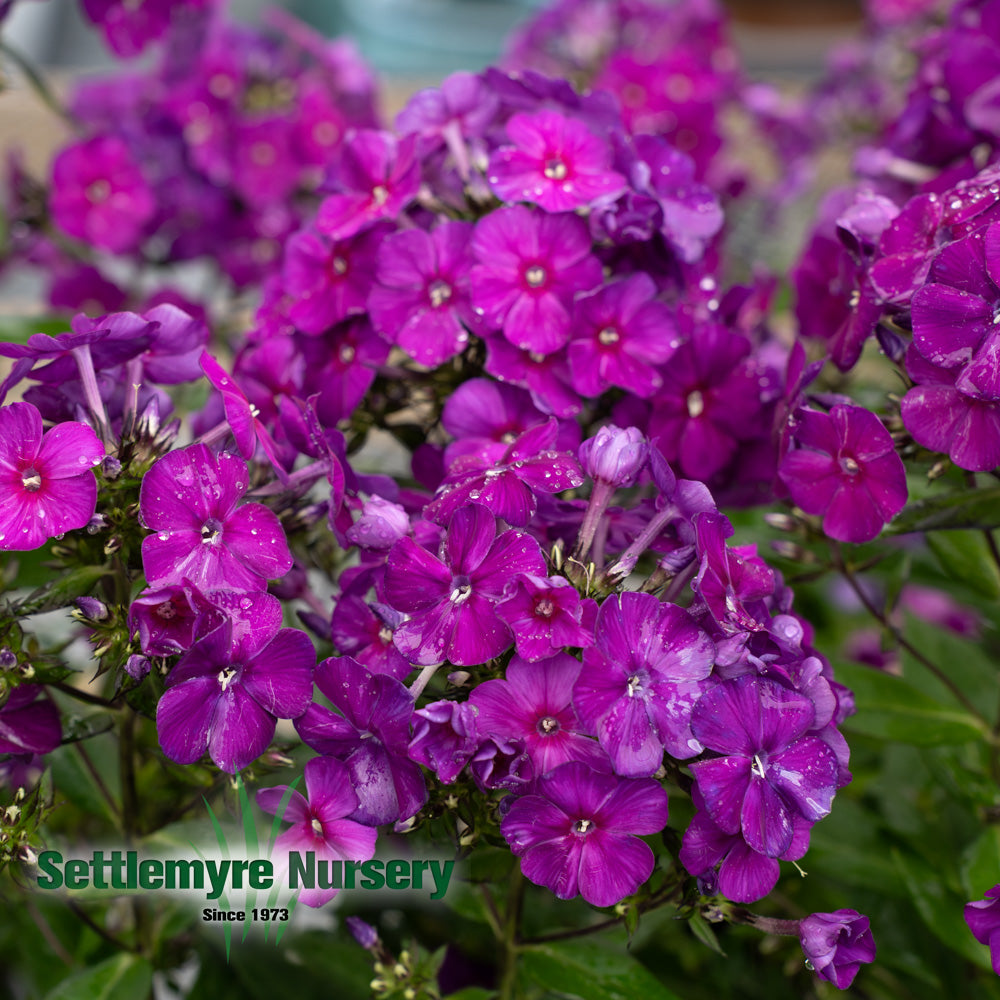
point(46, 486)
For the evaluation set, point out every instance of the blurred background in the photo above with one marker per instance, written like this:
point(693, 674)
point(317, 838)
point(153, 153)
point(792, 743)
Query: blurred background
point(423, 39)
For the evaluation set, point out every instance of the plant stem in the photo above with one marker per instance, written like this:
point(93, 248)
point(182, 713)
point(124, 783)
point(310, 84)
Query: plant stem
point(98, 780)
point(896, 633)
point(36, 81)
point(511, 942)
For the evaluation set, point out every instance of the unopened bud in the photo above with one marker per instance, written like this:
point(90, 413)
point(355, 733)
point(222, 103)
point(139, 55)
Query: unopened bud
point(783, 522)
point(111, 468)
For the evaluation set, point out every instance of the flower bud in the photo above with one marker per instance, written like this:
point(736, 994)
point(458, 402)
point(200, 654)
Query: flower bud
point(92, 608)
point(614, 456)
point(380, 525)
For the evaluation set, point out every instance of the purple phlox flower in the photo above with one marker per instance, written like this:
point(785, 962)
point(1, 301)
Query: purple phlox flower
point(168, 620)
point(486, 416)
point(732, 581)
point(576, 834)
point(129, 27)
point(534, 705)
point(906, 249)
point(508, 486)
point(769, 769)
point(451, 600)
point(178, 340)
point(710, 400)
point(620, 334)
point(947, 420)
point(362, 932)
point(381, 524)
point(983, 918)
point(845, 469)
point(99, 194)
point(77, 287)
point(375, 177)
point(319, 821)
point(29, 724)
point(264, 161)
point(955, 313)
point(445, 737)
point(545, 376)
point(530, 265)
point(371, 737)
point(421, 297)
point(691, 214)
point(227, 692)
point(502, 764)
point(941, 609)
point(744, 875)
point(46, 486)
point(546, 614)
point(837, 944)
point(328, 280)
point(554, 161)
point(640, 681)
point(614, 455)
point(320, 124)
point(189, 499)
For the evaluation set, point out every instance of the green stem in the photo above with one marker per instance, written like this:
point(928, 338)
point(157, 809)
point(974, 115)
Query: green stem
point(36, 82)
point(511, 942)
point(98, 780)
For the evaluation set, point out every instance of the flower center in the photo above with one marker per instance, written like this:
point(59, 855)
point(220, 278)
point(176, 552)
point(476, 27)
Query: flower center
point(582, 826)
point(757, 767)
point(211, 531)
point(544, 607)
point(695, 404)
point(98, 192)
point(263, 154)
point(461, 590)
point(548, 725)
point(31, 480)
point(439, 292)
point(555, 170)
point(225, 677)
point(339, 265)
point(855, 298)
point(385, 635)
point(535, 276)
point(380, 195)
point(634, 686)
point(347, 353)
point(609, 335)
point(166, 611)
point(850, 466)
point(317, 827)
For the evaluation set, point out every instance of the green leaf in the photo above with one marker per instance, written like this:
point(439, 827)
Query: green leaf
point(890, 708)
point(471, 993)
point(939, 909)
point(965, 509)
point(702, 930)
point(60, 592)
point(965, 557)
point(578, 969)
point(124, 977)
point(17, 329)
point(981, 863)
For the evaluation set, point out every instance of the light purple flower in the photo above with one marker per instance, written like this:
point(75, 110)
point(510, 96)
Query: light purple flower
point(319, 822)
point(577, 833)
point(769, 768)
point(836, 945)
point(189, 498)
point(371, 737)
point(614, 456)
point(444, 737)
point(534, 704)
point(640, 681)
point(421, 297)
point(451, 600)
point(227, 692)
point(530, 266)
point(100, 196)
point(847, 470)
point(983, 918)
point(46, 486)
point(554, 161)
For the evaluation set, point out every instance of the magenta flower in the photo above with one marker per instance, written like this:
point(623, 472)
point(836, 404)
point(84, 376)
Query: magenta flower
point(620, 334)
point(769, 769)
point(847, 470)
point(189, 498)
point(46, 486)
point(376, 177)
point(577, 834)
point(319, 822)
point(983, 918)
point(554, 161)
point(451, 600)
point(836, 945)
point(227, 692)
point(100, 196)
point(509, 486)
point(167, 620)
point(421, 296)
point(534, 704)
point(641, 680)
point(371, 737)
point(546, 614)
point(129, 27)
point(365, 633)
point(530, 266)
point(444, 737)
point(28, 724)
